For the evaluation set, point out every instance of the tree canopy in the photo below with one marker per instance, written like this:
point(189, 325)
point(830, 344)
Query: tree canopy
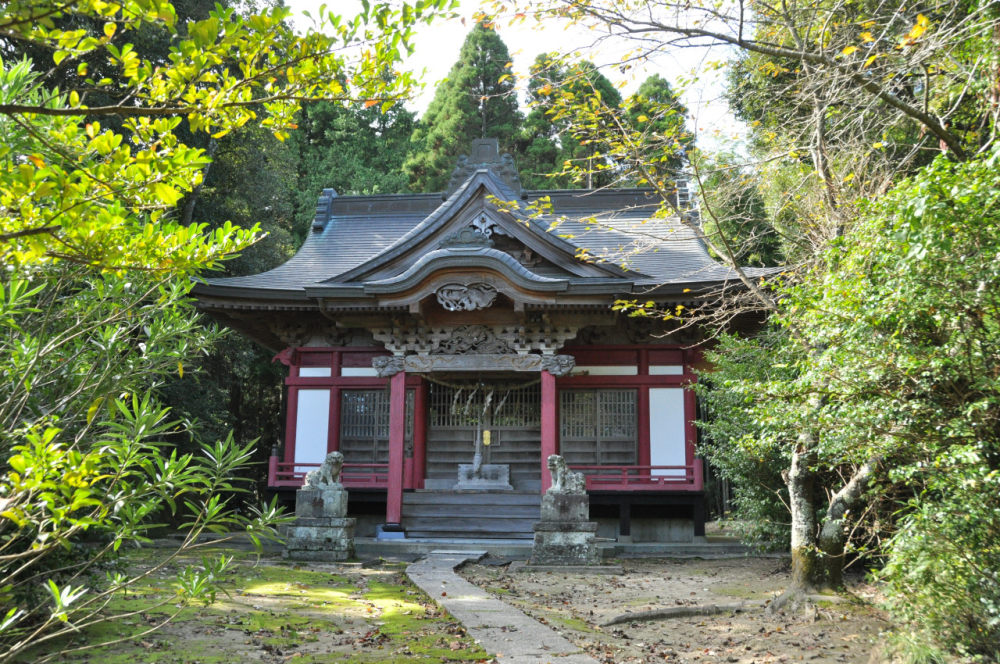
point(110, 114)
point(863, 409)
point(477, 100)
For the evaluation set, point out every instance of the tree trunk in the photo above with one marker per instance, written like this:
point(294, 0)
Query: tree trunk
point(818, 552)
point(833, 533)
point(801, 481)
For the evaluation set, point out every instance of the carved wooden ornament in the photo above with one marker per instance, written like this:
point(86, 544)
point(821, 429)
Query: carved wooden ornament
point(459, 297)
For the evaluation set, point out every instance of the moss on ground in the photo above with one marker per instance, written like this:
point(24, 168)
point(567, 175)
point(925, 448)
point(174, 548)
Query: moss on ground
point(740, 592)
point(273, 612)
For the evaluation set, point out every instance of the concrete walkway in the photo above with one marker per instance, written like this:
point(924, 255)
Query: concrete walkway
point(505, 632)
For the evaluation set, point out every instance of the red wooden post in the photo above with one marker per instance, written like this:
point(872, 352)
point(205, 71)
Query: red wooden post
point(333, 432)
point(420, 435)
point(397, 444)
point(550, 434)
point(642, 412)
point(272, 470)
point(291, 420)
point(690, 429)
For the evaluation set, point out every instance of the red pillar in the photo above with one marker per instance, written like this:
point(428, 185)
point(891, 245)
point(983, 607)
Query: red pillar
point(333, 433)
point(420, 436)
point(690, 429)
point(397, 443)
point(550, 434)
point(291, 421)
point(643, 428)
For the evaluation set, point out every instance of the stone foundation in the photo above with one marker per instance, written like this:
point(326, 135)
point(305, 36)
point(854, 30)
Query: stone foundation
point(564, 544)
point(565, 536)
point(321, 531)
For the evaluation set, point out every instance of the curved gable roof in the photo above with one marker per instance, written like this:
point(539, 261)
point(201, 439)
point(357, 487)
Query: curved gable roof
point(362, 245)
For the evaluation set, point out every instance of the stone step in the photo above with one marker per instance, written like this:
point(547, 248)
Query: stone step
point(441, 533)
point(521, 548)
point(512, 528)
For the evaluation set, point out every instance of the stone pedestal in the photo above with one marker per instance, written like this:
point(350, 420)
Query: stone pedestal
point(565, 508)
point(321, 530)
point(566, 538)
point(564, 544)
point(491, 477)
point(565, 535)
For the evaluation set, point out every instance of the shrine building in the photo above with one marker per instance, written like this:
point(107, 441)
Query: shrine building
point(448, 343)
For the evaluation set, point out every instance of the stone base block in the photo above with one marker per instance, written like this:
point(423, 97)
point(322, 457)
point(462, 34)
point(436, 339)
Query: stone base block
point(329, 502)
point(564, 544)
point(566, 507)
point(325, 539)
point(321, 556)
point(492, 477)
point(325, 522)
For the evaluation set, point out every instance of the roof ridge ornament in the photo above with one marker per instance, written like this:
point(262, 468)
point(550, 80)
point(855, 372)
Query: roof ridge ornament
point(323, 208)
point(484, 153)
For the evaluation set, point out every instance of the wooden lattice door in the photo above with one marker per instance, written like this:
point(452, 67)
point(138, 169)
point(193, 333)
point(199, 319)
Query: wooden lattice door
point(513, 417)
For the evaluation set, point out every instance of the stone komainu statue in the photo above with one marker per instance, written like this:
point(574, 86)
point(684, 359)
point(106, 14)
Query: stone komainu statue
point(328, 474)
point(563, 479)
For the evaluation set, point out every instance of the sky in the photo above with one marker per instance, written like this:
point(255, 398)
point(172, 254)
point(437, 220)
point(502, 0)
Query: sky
point(437, 47)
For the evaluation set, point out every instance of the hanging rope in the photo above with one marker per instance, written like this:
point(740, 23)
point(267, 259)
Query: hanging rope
point(507, 385)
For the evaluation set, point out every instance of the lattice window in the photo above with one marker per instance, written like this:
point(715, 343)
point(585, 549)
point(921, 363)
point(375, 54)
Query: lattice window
point(515, 408)
point(364, 425)
point(598, 427)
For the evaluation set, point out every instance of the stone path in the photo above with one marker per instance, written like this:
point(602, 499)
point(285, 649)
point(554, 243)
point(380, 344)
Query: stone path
point(509, 635)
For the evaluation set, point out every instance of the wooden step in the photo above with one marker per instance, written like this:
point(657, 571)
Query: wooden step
point(486, 515)
point(472, 498)
point(478, 511)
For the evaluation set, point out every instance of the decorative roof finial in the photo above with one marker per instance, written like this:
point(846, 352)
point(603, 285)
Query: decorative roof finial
point(484, 153)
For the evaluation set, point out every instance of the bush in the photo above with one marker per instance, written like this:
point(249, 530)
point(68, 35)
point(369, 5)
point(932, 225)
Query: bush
point(87, 469)
point(943, 570)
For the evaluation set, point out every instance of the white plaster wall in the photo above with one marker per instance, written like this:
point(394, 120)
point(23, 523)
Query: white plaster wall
point(666, 430)
point(312, 427)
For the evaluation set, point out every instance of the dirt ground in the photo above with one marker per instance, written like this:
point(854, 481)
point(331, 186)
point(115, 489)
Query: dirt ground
point(274, 611)
point(824, 632)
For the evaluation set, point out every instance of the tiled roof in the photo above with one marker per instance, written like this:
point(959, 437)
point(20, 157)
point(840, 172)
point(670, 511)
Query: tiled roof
point(614, 225)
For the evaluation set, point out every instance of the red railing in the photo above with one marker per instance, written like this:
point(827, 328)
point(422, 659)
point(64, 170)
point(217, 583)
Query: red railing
point(644, 478)
point(353, 475)
point(606, 478)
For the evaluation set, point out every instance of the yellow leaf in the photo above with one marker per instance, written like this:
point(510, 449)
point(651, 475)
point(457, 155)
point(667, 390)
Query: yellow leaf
point(180, 368)
point(642, 118)
point(92, 411)
point(867, 37)
point(109, 30)
point(849, 50)
point(869, 61)
point(37, 161)
point(918, 29)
